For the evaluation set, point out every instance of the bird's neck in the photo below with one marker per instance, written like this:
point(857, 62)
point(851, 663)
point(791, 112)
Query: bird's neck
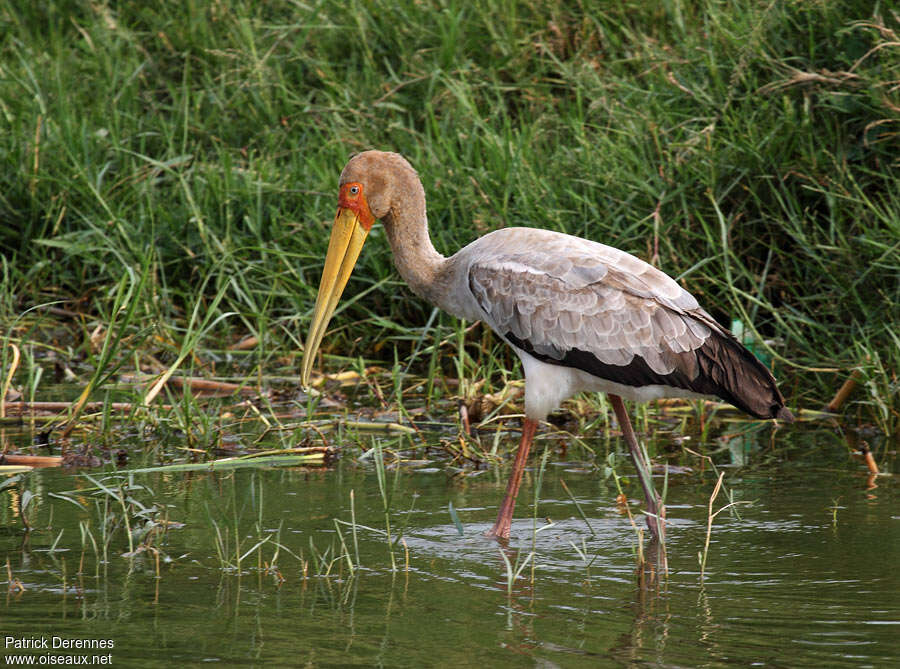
point(419, 263)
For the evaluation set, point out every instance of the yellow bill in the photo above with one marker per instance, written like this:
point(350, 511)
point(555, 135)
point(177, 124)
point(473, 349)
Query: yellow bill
point(347, 238)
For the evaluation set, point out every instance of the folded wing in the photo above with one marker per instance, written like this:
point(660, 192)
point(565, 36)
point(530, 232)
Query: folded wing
point(580, 304)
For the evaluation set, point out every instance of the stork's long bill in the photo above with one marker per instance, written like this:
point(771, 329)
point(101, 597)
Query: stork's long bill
point(351, 227)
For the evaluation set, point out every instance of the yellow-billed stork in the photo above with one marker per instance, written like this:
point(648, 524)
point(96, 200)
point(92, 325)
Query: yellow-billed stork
point(580, 315)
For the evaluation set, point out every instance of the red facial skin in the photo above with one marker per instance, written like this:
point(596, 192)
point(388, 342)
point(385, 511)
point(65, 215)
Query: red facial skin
point(356, 202)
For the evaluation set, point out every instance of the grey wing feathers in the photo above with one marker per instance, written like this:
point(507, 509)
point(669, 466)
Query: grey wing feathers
point(576, 303)
point(560, 303)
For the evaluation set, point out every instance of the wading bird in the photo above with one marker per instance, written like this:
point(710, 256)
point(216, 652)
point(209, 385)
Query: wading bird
point(580, 315)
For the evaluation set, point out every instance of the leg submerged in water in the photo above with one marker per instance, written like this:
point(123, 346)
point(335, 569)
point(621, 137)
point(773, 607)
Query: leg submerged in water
point(504, 516)
point(656, 512)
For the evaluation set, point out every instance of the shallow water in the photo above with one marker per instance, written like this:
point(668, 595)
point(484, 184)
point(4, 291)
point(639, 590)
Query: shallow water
point(802, 572)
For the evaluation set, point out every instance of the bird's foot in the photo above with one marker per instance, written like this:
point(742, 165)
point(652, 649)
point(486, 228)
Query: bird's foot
point(500, 530)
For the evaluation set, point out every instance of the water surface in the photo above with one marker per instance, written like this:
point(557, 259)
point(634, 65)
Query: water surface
point(801, 572)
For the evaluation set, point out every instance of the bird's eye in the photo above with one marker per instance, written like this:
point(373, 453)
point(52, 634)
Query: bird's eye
point(354, 190)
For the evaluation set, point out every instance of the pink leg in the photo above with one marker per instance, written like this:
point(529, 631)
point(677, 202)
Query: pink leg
point(657, 520)
point(504, 517)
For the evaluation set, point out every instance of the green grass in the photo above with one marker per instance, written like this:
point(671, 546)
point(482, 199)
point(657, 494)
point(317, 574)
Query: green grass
point(192, 150)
